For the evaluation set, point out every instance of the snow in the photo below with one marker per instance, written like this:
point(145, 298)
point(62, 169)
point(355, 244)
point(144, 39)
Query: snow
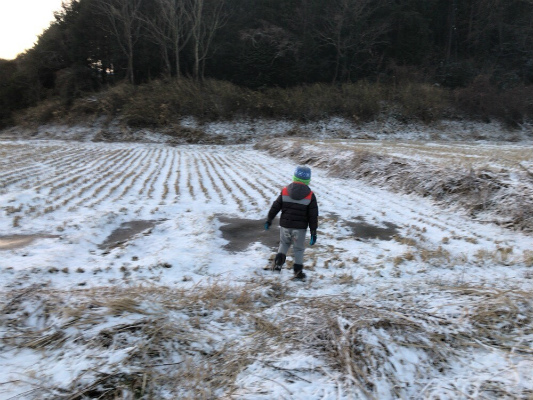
point(403, 303)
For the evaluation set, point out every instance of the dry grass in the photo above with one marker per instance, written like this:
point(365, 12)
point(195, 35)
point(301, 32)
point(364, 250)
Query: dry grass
point(504, 197)
point(194, 343)
point(447, 154)
point(166, 344)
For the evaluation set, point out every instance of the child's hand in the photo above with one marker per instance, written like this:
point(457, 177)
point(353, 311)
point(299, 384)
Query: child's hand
point(267, 225)
point(313, 239)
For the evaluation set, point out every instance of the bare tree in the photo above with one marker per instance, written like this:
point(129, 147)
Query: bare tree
point(124, 25)
point(207, 17)
point(170, 29)
point(347, 26)
point(282, 41)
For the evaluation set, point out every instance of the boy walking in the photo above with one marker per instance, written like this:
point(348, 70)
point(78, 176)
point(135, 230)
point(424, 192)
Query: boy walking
point(299, 210)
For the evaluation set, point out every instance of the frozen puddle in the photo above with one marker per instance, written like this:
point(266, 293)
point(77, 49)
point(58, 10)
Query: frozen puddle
point(125, 232)
point(18, 241)
point(241, 233)
point(364, 230)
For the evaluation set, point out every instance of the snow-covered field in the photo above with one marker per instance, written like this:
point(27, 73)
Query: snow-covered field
point(136, 270)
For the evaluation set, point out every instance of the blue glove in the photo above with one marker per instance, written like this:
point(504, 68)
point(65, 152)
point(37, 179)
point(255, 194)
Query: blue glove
point(313, 239)
point(267, 225)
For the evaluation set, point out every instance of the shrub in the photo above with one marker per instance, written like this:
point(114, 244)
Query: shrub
point(162, 103)
point(358, 101)
point(484, 100)
point(361, 101)
point(113, 100)
point(44, 112)
point(421, 101)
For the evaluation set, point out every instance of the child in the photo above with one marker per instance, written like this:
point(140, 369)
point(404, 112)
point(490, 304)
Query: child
point(299, 210)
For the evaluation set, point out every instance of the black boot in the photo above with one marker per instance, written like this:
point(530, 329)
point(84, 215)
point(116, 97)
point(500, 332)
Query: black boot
point(298, 271)
point(279, 261)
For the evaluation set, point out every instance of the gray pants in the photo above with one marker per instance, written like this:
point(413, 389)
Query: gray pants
point(296, 237)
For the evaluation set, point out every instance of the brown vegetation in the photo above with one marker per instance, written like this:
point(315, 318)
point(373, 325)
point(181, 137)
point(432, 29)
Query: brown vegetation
point(163, 103)
point(177, 340)
point(483, 192)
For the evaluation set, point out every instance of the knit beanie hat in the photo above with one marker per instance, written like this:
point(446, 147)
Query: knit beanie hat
point(302, 174)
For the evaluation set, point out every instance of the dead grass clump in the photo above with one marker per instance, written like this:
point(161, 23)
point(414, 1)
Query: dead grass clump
point(346, 279)
point(367, 344)
point(16, 221)
point(160, 104)
point(502, 255)
point(435, 256)
point(121, 305)
point(527, 258)
point(51, 340)
point(361, 101)
point(502, 318)
point(87, 106)
point(398, 260)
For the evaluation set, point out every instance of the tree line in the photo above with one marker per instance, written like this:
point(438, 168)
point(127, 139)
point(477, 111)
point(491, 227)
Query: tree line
point(259, 44)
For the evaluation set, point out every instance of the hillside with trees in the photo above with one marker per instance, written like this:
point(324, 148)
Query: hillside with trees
point(267, 57)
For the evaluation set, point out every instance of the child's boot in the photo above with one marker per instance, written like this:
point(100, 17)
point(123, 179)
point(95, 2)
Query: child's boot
point(279, 261)
point(298, 272)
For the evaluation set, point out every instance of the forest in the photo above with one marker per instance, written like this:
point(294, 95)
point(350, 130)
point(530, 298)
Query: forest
point(476, 53)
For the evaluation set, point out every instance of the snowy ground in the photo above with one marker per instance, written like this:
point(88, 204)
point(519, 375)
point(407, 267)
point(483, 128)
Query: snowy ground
point(105, 246)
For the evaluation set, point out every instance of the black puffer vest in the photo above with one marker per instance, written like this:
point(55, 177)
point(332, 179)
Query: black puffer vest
point(298, 205)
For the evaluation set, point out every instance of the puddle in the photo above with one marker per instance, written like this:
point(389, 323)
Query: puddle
point(241, 233)
point(125, 232)
point(363, 230)
point(19, 241)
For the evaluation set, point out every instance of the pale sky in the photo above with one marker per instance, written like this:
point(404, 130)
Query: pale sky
point(21, 21)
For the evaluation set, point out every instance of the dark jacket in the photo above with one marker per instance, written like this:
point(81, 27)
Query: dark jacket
point(299, 208)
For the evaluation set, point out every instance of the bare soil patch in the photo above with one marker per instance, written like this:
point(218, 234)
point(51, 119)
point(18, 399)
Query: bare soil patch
point(125, 232)
point(18, 241)
point(366, 231)
point(241, 233)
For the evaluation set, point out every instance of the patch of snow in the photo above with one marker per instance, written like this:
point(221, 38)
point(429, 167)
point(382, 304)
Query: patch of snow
point(435, 276)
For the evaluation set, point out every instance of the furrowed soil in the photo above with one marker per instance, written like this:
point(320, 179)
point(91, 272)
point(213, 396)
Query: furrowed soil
point(137, 268)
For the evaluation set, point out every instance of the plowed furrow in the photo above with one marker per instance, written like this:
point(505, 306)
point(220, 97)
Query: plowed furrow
point(113, 182)
point(238, 165)
point(186, 173)
point(237, 183)
point(89, 186)
point(77, 170)
point(208, 168)
point(133, 176)
point(35, 171)
point(14, 162)
point(177, 179)
point(216, 168)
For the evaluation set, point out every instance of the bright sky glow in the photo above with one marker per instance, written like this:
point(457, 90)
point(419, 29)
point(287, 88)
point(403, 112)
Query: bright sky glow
point(21, 22)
